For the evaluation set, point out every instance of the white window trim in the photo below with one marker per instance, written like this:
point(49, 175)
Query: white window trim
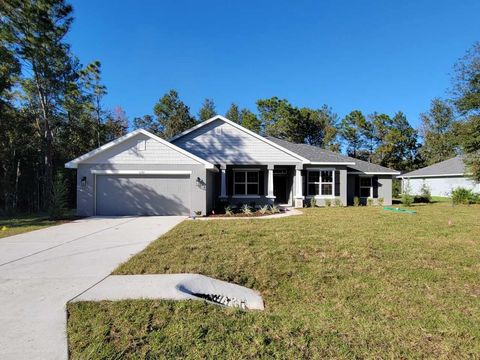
point(371, 187)
point(246, 183)
point(321, 196)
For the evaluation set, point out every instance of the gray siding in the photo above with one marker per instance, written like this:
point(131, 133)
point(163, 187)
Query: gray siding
point(138, 150)
point(385, 189)
point(85, 196)
point(221, 143)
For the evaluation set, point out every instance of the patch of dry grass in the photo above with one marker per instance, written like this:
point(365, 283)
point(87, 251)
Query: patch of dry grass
point(337, 282)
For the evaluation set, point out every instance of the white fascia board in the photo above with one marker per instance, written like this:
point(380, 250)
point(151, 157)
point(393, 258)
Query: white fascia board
point(141, 172)
point(428, 176)
point(73, 164)
point(331, 163)
point(374, 172)
point(245, 130)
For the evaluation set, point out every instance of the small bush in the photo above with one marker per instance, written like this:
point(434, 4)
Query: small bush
point(58, 200)
point(245, 209)
point(356, 201)
point(313, 202)
point(380, 201)
point(274, 209)
point(396, 188)
point(228, 210)
point(369, 202)
point(338, 202)
point(464, 196)
point(420, 199)
point(407, 199)
point(328, 202)
point(425, 193)
point(265, 209)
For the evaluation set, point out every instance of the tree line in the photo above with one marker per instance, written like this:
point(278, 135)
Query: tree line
point(51, 111)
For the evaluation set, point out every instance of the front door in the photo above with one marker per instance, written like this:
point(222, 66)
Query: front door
point(280, 189)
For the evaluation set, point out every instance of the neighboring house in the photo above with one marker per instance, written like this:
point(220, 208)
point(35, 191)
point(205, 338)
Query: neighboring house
point(215, 163)
point(440, 178)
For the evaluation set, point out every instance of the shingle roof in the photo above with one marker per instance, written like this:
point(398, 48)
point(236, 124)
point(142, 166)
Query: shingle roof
point(453, 166)
point(316, 154)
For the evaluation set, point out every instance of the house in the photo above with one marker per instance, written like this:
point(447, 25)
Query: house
point(440, 178)
point(215, 163)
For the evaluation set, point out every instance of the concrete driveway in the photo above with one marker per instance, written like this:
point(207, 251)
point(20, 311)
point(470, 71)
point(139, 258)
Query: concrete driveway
point(42, 270)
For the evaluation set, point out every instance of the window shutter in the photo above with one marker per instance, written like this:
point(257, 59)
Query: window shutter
point(375, 187)
point(229, 174)
point(261, 182)
point(357, 185)
point(337, 183)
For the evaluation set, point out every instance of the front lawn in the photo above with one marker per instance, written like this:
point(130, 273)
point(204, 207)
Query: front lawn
point(337, 282)
point(24, 223)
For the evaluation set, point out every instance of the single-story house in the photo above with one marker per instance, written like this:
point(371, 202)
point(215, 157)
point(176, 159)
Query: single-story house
point(215, 163)
point(440, 178)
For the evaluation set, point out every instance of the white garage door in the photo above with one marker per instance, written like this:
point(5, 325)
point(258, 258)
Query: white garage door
point(118, 195)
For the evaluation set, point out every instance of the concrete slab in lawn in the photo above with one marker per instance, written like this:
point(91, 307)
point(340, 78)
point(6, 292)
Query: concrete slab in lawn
point(42, 270)
point(170, 286)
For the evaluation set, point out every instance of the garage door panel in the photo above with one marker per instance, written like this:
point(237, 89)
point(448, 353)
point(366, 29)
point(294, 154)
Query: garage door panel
point(143, 195)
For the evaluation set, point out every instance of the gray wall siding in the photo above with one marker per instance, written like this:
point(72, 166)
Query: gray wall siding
point(138, 150)
point(85, 196)
point(385, 189)
point(221, 143)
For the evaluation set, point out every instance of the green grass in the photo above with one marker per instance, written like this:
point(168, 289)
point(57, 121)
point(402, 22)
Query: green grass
point(25, 223)
point(337, 283)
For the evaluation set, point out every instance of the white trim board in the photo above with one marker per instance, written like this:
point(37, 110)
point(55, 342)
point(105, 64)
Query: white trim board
point(141, 172)
point(249, 132)
point(429, 176)
point(373, 173)
point(74, 163)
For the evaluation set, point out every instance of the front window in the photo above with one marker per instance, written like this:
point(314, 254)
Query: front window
point(245, 182)
point(320, 182)
point(365, 187)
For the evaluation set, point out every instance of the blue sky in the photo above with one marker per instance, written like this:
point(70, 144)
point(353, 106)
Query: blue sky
point(380, 56)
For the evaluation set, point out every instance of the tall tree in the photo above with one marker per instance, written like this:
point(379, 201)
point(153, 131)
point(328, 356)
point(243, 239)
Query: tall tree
point(351, 132)
point(466, 91)
point(250, 121)
point(207, 111)
point(116, 124)
point(400, 144)
point(149, 123)
point(173, 116)
point(318, 127)
point(437, 130)
point(34, 31)
point(280, 119)
point(233, 113)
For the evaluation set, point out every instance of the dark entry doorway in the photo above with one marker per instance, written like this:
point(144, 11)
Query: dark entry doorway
point(280, 187)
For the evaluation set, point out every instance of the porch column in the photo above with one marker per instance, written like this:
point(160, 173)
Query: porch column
point(298, 187)
point(270, 194)
point(223, 181)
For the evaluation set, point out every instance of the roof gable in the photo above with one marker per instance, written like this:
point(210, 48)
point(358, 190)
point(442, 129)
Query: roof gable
point(138, 146)
point(219, 140)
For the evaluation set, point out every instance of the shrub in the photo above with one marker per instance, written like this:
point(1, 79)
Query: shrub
point(274, 209)
point(464, 196)
point(328, 202)
point(407, 199)
point(228, 210)
point(419, 199)
point(356, 201)
point(264, 209)
point(313, 202)
point(369, 202)
point(425, 193)
point(380, 201)
point(338, 202)
point(245, 209)
point(58, 200)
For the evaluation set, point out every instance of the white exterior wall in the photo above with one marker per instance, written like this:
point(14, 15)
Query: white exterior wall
point(440, 186)
point(222, 143)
